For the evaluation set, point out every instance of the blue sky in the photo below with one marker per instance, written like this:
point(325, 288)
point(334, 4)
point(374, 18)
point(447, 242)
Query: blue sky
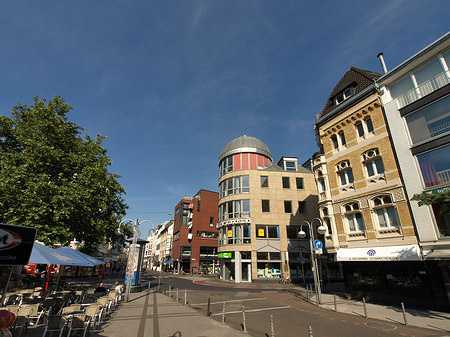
point(171, 82)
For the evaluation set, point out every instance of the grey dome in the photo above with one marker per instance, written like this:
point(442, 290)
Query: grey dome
point(245, 144)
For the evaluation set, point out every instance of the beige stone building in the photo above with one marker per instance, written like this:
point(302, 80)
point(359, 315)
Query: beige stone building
point(361, 195)
point(262, 205)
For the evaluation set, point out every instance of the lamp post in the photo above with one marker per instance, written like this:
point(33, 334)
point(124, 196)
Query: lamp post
point(132, 253)
point(320, 230)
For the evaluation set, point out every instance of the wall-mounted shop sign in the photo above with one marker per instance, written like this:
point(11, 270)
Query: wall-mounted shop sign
point(389, 253)
point(234, 222)
point(439, 190)
point(228, 255)
point(16, 244)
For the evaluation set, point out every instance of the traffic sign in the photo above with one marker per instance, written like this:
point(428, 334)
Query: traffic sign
point(318, 244)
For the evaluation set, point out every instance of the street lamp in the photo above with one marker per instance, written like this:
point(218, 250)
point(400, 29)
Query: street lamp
point(320, 230)
point(131, 254)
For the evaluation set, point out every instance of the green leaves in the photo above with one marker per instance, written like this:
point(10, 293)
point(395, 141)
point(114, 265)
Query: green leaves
point(55, 180)
point(442, 198)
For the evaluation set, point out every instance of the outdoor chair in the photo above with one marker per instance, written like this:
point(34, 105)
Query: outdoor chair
point(106, 303)
point(14, 308)
point(37, 314)
point(79, 322)
point(69, 310)
point(114, 298)
point(93, 312)
point(55, 323)
point(12, 299)
point(22, 319)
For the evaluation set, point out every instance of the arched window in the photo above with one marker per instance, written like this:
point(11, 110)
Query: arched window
point(354, 218)
point(344, 172)
point(373, 162)
point(386, 214)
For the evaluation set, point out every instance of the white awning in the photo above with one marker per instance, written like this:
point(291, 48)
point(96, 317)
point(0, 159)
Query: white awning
point(438, 254)
point(389, 253)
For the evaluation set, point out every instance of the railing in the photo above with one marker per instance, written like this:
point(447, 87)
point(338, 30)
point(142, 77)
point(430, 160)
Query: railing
point(444, 176)
point(424, 89)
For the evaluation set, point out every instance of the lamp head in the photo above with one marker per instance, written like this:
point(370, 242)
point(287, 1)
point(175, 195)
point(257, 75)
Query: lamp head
point(301, 234)
point(118, 231)
point(321, 229)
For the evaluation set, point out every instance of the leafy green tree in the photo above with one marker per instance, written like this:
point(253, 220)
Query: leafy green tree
point(54, 179)
point(442, 198)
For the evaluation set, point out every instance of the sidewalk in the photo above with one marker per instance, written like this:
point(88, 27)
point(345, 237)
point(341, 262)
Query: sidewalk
point(391, 314)
point(152, 314)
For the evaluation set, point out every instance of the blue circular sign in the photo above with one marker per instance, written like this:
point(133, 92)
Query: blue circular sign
point(318, 244)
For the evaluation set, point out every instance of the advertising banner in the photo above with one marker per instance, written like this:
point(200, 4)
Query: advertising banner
point(16, 244)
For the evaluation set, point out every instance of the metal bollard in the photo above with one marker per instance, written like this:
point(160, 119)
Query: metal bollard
point(307, 293)
point(185, 296)
point(244, 324)
point(223, 313)
point(272, 330)
point(365, 308)
point(159, 282)
point(178, 297)
point(170, 291)
point(404, 314)
point(148, 285)
point(310, 331)
point(208, 311)
point(335, 303)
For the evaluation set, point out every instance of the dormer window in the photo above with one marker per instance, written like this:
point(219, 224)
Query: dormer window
point(342, 96)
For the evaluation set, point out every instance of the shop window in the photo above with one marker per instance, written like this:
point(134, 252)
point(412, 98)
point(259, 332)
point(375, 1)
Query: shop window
point(246, 255)
point(262, 255)
point(234, 234)
point(264, 181)
point(442, 221)
point(265, 206)
point(186, 253)
point(267, 231)
point(286, 183)
point(299, 183)
point(435, 166)
point(287, 206)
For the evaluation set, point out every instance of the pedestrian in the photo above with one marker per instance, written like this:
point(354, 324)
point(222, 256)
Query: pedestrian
point(118, 290)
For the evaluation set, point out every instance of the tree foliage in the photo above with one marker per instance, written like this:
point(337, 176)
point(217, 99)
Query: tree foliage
point(54, 179)
point(442, 198)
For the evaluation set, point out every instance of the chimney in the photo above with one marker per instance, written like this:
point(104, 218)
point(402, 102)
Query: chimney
point(383, 64)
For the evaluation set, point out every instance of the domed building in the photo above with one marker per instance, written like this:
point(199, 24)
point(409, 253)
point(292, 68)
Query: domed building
point(262, 205)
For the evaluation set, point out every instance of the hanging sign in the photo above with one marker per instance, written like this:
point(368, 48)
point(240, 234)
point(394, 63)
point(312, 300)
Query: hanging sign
point(16, 244)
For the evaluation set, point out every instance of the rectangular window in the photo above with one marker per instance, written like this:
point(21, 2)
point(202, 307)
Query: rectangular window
point(299, 182)
point(203, 234)
point(435, 166)
point(286, 183)
point(302, 207)
point(265, 231)
point(287, 206)
point(262, 255)
point(355, 222)
point(265, 205)
point(369, 124)
point(264, 181)
point(387, 217)
point(374, 167)
point(360, 129)
point(346, 177)
point(342, 137)
point(290, 166)
point(246, 231)
point(429, 122)
point(292, 232)
point(211, 221)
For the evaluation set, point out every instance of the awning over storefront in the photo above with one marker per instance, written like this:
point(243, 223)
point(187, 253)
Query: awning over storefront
point(438, 254)
point(389, 253)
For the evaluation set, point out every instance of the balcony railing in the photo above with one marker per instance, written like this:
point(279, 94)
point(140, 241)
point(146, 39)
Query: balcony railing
point(424, 89)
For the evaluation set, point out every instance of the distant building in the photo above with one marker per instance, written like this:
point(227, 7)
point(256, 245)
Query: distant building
point(362, 197)
point(194, 244)
point(416, 100)
point(262, 205)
